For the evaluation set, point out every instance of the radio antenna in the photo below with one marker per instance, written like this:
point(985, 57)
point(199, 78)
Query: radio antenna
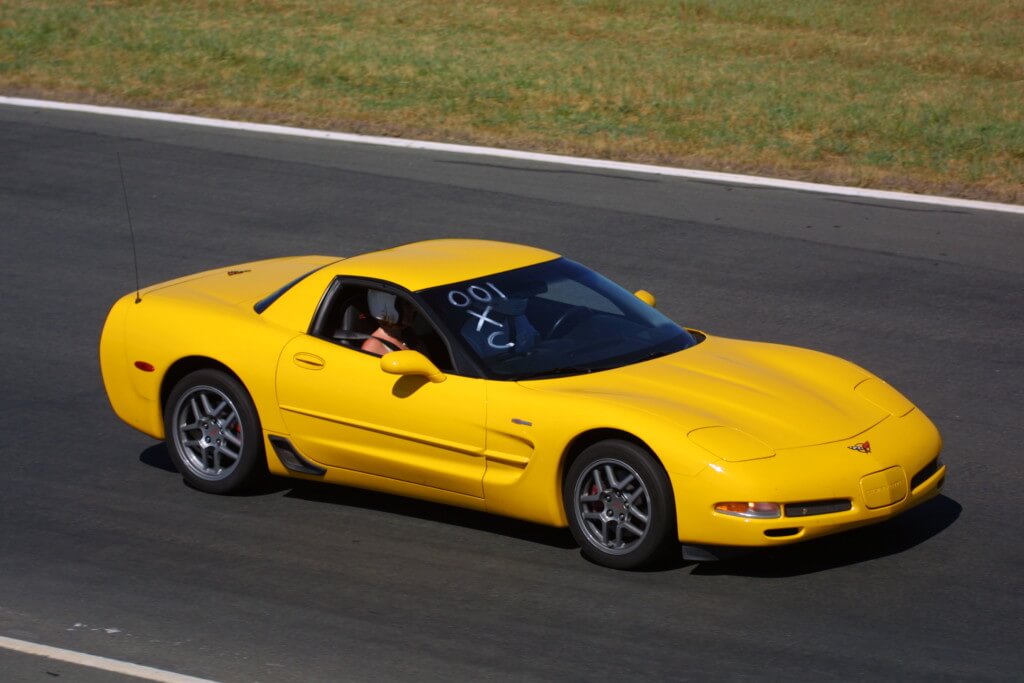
point(131, 230)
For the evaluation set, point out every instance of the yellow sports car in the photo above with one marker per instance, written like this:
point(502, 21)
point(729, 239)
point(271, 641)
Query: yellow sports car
point(508, 379)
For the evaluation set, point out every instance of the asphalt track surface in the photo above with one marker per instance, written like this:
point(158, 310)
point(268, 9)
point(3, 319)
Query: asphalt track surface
point(105, 551)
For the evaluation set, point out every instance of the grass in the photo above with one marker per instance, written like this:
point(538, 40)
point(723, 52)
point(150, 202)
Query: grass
point(919, 95)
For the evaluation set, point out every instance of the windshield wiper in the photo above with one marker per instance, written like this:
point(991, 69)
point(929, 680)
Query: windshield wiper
point(586, 370)
point(563, 370)
point(652, 355)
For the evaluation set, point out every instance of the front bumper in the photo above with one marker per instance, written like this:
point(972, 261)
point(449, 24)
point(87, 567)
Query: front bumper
point(825, 489)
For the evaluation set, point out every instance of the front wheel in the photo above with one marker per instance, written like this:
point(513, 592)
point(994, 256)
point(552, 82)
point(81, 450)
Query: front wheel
point(619, 503)
point(213, 433)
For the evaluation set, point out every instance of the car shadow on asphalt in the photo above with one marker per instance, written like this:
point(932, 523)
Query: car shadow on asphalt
point(435, 512)
point(156, 456)
point(852, 547)
point(860, 545)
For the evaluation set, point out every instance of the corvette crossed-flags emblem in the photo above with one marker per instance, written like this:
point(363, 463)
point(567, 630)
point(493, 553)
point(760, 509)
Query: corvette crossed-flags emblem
point(861, 447)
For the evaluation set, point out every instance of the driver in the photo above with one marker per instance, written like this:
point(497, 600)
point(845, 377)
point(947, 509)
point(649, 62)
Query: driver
point(395, 318)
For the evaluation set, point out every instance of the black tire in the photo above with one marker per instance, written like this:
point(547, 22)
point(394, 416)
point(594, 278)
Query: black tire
point(216, 448)
point(620, 505)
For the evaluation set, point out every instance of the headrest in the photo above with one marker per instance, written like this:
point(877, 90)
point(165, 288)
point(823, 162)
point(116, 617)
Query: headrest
point(382, 306)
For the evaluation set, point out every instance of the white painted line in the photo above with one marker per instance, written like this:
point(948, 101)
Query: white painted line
point(103, 663)
point(624, 166)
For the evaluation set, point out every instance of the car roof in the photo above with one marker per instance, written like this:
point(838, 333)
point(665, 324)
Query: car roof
point(422, 265)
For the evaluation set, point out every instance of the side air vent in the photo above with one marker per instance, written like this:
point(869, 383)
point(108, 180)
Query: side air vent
point(291, 459)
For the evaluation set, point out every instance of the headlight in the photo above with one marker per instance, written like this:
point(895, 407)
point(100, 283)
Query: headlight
point(730, 444)
point(884, 396)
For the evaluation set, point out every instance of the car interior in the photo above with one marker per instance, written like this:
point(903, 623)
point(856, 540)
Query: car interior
point(345, 320)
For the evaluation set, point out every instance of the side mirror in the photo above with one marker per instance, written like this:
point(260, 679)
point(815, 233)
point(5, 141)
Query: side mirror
point(646, 297)
point(411, 363)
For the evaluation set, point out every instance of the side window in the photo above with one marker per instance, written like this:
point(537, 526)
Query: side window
point(344, 316)
point(373, 321)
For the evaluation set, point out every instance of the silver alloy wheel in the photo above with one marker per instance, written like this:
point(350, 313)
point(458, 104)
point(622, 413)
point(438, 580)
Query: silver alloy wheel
point(208, 433)
point(612, 506)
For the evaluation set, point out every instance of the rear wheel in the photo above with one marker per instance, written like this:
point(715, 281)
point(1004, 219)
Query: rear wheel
point(213, 433)
point(619, 503)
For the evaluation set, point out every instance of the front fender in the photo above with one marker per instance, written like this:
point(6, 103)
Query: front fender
point(530, 435)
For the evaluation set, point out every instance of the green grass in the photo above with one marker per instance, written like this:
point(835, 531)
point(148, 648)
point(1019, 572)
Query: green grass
point(923, 95)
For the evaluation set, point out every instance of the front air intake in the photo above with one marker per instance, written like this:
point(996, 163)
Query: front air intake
point(817, 507)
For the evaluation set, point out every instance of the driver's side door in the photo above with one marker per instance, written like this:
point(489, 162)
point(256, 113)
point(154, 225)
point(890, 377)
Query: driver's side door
point(343, 411)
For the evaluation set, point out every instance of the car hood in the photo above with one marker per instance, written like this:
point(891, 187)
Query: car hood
point(784, 396)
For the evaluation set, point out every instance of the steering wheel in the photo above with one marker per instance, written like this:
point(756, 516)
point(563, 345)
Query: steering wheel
point(568, 320)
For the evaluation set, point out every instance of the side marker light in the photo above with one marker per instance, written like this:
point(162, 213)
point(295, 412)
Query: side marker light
point(144, 366)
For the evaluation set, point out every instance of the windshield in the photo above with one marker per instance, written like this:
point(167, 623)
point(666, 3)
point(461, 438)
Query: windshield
point(551, 319)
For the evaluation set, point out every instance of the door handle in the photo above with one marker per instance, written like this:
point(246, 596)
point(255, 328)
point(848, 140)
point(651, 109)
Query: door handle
point(308, 361)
